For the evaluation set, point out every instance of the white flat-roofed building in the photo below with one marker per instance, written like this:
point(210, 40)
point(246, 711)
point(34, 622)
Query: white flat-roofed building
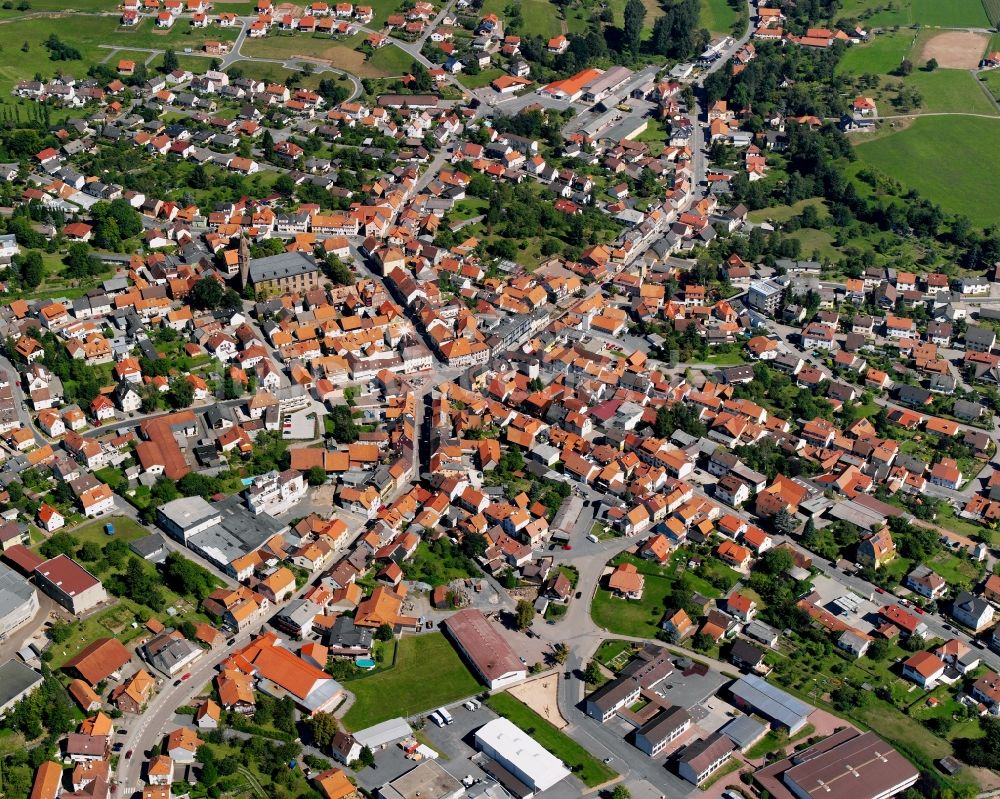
point(520, 754)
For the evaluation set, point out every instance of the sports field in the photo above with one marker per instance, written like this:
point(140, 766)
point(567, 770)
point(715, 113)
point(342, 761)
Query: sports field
point(949, 160)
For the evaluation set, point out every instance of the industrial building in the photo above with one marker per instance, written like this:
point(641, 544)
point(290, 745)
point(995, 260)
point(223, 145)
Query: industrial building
point(488, 652)
point(220, 532)
point(18, 600)
point(847, 765)
point(16, 682)
point(754, 694)
point(520, 755)
point(427, 781)
point(69, 584)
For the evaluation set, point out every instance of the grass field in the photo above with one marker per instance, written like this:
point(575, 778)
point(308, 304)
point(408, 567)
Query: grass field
point(392, 61)
point(717, 15)
point(540, 16)
point(341, 53)
point(125, 529)
point(888, 13)
point(86, 33)
point(879, 56)
point(404, 689)
point(950, 14)
point(782, 213)
point(914, 156)
point(991, 80)
point(591, 771)
point(480, 80)
point(815, 241)
point(950, 90)
point(275, 73)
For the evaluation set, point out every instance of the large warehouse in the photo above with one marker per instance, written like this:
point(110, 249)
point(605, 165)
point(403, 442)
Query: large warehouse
point(847, 765)
point(488, 652)
point(18, 600)
point(520, 754)
point(69, 584)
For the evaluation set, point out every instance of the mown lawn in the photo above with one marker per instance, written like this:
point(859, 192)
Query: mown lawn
point(913, 156)
point(481, 79)
point(392, 61)
point(428, 672)
point(951, 14)
point(125, 529)
point(949, 90)
point(717, 15)
point(591, 771)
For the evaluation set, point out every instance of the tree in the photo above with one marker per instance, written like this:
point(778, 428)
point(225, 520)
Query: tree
point(316, 475)
point(784, 522)
point(932, 64)
point(32, 269)
point(90, 551)
point(905, 67)
point(367, 757)
point(776, 562)
point(181, 394)
point(635, 14)
point(560, 652)
point(323, 727)
point(384, 632)
point(170, 62)
point(621, 792)
point(206, 293)
point(343, 429)
point(524, 614)
point(592, 674)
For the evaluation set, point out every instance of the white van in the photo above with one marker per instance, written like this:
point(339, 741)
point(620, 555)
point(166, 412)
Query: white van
point(472, 704)
point(593, 538)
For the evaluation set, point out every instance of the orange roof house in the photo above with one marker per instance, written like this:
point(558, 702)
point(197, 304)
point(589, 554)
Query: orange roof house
point(626, 581)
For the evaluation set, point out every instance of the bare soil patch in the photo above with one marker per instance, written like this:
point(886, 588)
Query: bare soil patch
point(289, 8)
point(541, 696)
point(954, 49)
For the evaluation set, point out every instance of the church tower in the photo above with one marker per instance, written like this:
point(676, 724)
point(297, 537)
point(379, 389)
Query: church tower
point(243, 261)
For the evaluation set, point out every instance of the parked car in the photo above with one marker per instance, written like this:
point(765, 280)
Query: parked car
point(128, 754)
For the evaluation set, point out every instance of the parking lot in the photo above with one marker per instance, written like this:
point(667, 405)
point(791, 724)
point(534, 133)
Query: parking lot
point(691, 689)
point(458, 755)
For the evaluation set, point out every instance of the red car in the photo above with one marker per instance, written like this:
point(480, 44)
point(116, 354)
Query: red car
point(879, 590)
point(186, 677)
point(918, 610)
point(128, 755)
point(567, 546)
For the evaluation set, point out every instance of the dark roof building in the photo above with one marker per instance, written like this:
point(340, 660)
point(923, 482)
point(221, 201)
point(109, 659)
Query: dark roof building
point(663, 728)
point(704, 757)
point(847, 765)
